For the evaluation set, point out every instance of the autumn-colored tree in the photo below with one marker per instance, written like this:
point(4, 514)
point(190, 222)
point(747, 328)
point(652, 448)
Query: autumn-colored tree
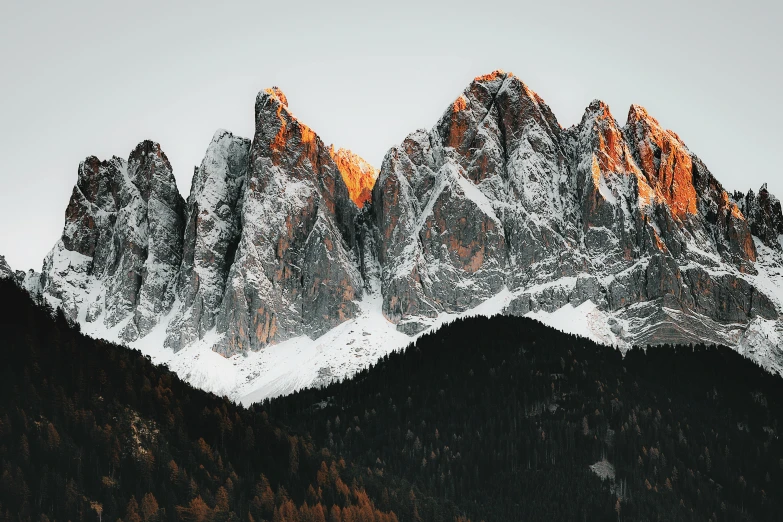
point(281, 496)
point(315, 513)
point(196, 511)
point(256, 511)
point(343, 492)
point(289, 512)
point(335, 514)
point(149, 508)
point(98, 508)
point(173, 471)
point(204, 449)
point(146, 466)
point(322, 476)
point(366, 512)
point(350, 514)
point(334, 473)
point(221, 500)
point(132, 511)
point(414, 507)
point(312, 496)
point(266, 496)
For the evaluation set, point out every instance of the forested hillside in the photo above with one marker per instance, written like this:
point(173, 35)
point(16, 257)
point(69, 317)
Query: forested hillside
point(94, 431)
point(488, 419)
point(504, 417)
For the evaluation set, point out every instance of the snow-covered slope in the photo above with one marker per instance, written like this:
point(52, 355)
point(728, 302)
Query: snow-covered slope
point(270, 277)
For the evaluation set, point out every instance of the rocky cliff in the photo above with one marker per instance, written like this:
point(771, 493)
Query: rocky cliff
point(497, 208)
point(5, 269)
point(295, 270)
point(121, 249)
point(359, 176)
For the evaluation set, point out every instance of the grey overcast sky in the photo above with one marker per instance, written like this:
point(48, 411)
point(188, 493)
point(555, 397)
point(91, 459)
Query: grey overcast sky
point(95, 78)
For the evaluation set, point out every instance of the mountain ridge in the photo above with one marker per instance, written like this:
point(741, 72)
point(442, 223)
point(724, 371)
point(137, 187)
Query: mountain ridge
point(497, 203)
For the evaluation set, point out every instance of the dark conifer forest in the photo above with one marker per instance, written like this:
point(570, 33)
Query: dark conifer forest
point(499, 419)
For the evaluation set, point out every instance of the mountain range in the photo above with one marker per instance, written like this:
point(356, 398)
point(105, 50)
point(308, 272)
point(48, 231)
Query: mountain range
point(292, 264)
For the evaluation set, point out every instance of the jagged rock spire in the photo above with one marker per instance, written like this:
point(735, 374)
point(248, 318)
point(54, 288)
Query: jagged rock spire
point(123, 230)
point(295, 270)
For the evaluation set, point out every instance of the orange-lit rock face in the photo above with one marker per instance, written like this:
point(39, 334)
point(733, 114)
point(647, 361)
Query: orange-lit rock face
point(612, 160)
point(491, 76)
point(460, 103)
point(291, 129)
point(665, 162)
point(279, 141)
point(731, 206)
point(359, 176)
point(459, 122)
point(277, 93)
point(736, 222)
point(611, 153)
point(299, 277)
point(645, 161)
point(461, 125)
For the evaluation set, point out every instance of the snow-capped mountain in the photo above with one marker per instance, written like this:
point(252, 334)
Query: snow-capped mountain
point(290, 264)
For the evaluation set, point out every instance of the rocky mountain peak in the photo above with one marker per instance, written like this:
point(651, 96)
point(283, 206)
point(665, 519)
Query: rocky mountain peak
point(358, 175)
point(5, 270)
point(284, 133)
point(638, 113)
point(150, 171)
point(213, 225)
point(123, 227)
point(98, 192)
point(597, 110)
point(611, 153)
point(295, 268)
point(664, 160)
point(278, 94)
point(493, 80)
point(764, 215)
